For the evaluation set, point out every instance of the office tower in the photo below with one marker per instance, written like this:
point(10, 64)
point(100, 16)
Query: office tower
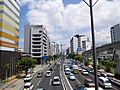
point(9, 24)
point(74, 45)
point(36, 41)
point(9, 36)
point(115, 33)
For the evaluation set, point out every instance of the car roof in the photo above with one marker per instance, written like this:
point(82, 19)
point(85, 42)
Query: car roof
point(48, 71)
point(104, 79)
point(28, 84)
point(56, 77)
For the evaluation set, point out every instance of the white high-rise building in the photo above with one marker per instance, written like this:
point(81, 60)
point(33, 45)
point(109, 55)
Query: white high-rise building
point(74, 45)
point(36, 41)
point(39, 41)
point(115, 33)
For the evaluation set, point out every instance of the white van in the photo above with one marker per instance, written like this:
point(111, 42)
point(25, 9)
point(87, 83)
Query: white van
point(104, 82)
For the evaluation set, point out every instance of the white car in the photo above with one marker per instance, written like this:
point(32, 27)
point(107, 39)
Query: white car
point(48, 73)
point(84, 72)
point(27, 78)
point(56, 80)
point(72, 77)
point(104, 82)
point(28, 86)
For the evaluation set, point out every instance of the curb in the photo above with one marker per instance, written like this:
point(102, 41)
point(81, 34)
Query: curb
point(9, 84)
point(115, 82)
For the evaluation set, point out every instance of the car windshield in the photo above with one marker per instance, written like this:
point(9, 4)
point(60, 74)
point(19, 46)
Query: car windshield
point(107, 81)
point(26, 86)
point(56, 79)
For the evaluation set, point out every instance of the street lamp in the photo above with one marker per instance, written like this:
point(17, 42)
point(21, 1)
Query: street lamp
point(90, 4)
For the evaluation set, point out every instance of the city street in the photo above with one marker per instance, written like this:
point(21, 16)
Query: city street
point(80, 78)
point(46, 82)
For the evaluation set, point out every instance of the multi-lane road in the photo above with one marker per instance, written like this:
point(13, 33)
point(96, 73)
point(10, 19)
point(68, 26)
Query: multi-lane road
point(80, 78)
point(46, 82)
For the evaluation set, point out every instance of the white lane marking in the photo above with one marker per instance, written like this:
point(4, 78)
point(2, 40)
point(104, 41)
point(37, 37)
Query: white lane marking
point(62, 81)
point(38, 83)
point(50, 81)
point(78, 81)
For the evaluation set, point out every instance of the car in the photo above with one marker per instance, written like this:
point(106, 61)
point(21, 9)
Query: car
point(28, 86)
point(67, 71)
point(89, 83)
point(48, 73)
point(71, 76)
point(79, 87)
point(56, 80)
point(27, 78)
point(84, 72)
point(104, 75)
point(51, 69)
point(82, 87)
point(39, 74)
point(79, 68)
point(104, 82)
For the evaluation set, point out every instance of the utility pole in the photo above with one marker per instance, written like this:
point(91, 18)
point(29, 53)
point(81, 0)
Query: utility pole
point(93, 41)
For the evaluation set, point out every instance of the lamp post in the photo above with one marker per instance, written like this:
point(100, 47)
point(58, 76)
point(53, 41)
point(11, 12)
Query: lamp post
point(93, 41)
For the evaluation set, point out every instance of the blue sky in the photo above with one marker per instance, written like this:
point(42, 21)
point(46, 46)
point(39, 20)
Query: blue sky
point(65, 18)
point(23, 18)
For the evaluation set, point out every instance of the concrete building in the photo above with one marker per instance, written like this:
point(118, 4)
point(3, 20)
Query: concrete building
point(36, 41)
point(107, 52)
point(74, 45)
point(27, 36)
point(9, 36)
point(9, 24)
point(39, 41)
point(54, 49)
point(115, 33)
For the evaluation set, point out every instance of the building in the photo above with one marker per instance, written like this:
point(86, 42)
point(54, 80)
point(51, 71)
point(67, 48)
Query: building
point(115, 33)
point(27, 36)
point(9, 36)
point(54, 49)
point(73, 45)
point(36, 41)
point(107, 52)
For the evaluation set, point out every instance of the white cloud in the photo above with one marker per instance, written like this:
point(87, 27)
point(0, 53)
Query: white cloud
point(64, 22)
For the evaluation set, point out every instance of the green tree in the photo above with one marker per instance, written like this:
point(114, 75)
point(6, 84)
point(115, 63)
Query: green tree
point(25, 63)
point(78, 57)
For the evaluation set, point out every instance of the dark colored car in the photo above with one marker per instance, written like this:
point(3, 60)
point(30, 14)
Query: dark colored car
point(79, 87)
point(40, 74)
point(51, 68)
point(89, 83)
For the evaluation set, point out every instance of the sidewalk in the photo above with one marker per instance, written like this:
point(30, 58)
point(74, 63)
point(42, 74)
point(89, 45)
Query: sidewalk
point(17, 83)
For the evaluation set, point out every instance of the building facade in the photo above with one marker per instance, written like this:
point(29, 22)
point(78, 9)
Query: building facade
point(36, 41)
point(115, 33)
point(9, 24)
point(27, 36)
point(9, 37)
point(54, 49)
point(73, 45)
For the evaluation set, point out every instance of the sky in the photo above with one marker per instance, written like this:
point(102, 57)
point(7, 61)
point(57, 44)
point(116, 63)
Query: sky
point(65, 18)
